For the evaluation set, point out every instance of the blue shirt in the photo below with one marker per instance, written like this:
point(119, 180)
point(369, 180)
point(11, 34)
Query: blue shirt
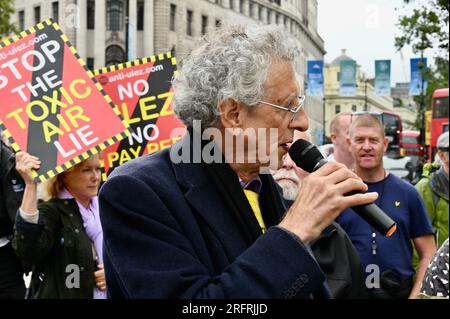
point(403, 204)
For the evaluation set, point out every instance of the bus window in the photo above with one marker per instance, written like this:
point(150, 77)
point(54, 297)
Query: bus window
point(440, 109)
point(410, 140)
point(439, 120)
point(390, 123)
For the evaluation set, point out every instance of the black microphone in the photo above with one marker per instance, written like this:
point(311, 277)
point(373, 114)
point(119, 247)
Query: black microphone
point(308, 157)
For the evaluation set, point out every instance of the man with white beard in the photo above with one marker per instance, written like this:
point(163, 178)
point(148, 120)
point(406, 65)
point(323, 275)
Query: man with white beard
point(289, 176)
point(333, 250)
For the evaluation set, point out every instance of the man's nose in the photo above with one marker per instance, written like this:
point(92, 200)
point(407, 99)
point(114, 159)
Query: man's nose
point(288, 163)
point(367, 145)
point(300, 121)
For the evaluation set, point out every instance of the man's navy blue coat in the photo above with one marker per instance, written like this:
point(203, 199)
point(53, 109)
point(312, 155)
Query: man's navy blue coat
point(169, 234)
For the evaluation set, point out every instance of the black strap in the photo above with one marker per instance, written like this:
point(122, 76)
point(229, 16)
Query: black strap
point(271, 202)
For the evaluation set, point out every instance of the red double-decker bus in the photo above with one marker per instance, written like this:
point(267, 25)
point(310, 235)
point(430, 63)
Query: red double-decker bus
point(411, 143)
point(439, 118)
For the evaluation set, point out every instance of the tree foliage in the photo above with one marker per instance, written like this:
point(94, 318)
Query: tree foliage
point(426, 28)
point(6, 9)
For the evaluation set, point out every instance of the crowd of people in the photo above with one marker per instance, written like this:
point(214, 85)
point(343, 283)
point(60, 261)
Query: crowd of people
point(223, 228)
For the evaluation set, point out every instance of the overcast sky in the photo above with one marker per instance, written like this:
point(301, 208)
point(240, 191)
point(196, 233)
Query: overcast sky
point(366, 28)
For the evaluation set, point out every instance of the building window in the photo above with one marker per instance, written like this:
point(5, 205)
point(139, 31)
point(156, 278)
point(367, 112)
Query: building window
point(55, 11)
point(21, 20)
point(250, 9)
point(204, 25)
point(337, 109)
point(268, 16)
point(90, 63)
point(115, 15)
point(219, 2)
point(115, 54)
point(260, 16)
point(90, 14)
point(173, 12)
point(140, 15)
point(37, 14)
point(231, 4)
point(189, 22)
point(218, 23)
point(241, 6)
point(354, 108)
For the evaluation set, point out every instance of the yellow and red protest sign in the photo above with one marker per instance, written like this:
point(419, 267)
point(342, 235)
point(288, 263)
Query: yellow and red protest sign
point(142, 91)
point(51, 105)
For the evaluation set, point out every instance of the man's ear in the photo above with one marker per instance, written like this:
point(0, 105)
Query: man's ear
point(348, 140)
point(231, 113)
point(333, 137)
point(386, 143)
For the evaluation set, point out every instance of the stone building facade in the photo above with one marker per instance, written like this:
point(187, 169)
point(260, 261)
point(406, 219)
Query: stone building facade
point(108, 32)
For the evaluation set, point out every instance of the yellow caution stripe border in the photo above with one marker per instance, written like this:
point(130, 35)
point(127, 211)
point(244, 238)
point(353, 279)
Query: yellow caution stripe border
point(78, 159)
point(130, 64)
point(8, 137)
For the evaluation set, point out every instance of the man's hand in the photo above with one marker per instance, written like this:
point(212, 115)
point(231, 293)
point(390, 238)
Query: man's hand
point(99, 277)
point(321, 199)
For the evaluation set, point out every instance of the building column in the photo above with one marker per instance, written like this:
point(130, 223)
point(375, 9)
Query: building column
point(273, 17)
point(148, 27)
point(226, 3)
point(235, 5)
point(254, 14)
point(245, 5)
point(100, 33)
point(132, 30)
point(81, 28)
point(264, 15)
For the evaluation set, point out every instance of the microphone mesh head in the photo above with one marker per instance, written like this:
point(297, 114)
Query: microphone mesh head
point(305, 155)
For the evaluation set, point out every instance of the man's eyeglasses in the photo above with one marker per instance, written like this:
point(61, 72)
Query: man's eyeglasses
point(294, 110)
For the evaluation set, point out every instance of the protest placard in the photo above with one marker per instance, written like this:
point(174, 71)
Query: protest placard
point(51, 105)
point(142, 91)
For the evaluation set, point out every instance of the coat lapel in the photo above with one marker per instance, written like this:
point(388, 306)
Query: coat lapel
point(212, 208)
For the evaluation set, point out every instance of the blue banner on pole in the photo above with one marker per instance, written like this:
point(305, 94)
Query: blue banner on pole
point(383, 77)
point(418, 79)
point(315, 78)
point(347, 78)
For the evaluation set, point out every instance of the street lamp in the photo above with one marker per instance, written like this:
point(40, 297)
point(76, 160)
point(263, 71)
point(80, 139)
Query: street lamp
point(365, 95)
point(127, 26)
point(324, 121)
point(422, 103)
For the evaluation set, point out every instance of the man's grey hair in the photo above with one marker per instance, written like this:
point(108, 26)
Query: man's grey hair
point(231, 62)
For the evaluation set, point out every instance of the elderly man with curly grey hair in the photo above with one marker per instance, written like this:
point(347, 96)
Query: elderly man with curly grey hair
point(201, 219)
